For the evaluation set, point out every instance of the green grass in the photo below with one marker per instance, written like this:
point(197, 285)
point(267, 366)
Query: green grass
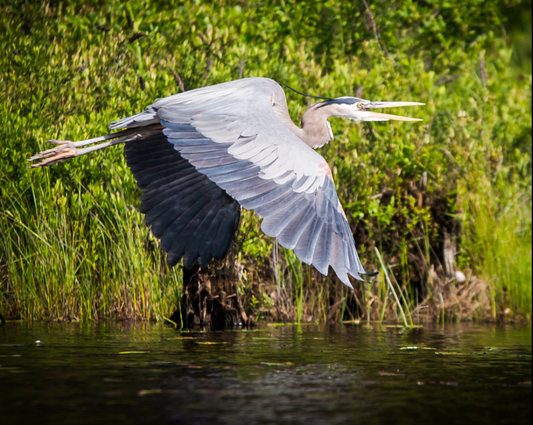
point(66, 260)
point(502, 238)
point(74, 246)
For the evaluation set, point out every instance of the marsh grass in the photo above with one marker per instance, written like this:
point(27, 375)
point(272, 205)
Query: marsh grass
point(503, 238)
point(74, 246)
point(92, 266)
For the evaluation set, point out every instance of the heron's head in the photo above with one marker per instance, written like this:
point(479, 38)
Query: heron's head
point(357, 109)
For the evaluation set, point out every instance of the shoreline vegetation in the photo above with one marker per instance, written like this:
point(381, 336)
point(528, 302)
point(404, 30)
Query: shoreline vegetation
point(442, 208)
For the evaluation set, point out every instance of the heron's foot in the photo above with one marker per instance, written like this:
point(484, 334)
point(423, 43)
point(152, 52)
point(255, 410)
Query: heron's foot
point(65, 150)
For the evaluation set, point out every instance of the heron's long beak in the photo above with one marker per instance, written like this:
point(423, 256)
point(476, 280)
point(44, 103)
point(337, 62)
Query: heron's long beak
point(376, 116)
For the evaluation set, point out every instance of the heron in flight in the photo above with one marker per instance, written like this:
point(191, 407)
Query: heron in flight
point(201, 155)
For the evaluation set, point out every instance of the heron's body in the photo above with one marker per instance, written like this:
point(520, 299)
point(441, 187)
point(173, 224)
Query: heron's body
point(201, 155)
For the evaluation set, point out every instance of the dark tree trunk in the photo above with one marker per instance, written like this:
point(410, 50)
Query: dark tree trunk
point(210, 298)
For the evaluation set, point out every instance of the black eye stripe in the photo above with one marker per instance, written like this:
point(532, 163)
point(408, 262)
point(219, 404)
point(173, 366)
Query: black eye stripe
point(340, 101)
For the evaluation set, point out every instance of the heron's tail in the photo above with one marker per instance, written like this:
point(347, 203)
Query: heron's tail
point(144, 119)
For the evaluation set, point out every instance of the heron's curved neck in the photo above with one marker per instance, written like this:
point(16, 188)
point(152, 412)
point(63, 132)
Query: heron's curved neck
point(315, 130)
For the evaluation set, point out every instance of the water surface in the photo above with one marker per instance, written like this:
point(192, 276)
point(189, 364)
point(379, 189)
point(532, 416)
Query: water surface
point(148, 373)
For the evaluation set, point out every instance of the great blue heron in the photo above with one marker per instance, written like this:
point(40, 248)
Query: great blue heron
point(202, 154)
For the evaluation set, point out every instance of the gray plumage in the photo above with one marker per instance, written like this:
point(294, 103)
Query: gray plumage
point(201, 154)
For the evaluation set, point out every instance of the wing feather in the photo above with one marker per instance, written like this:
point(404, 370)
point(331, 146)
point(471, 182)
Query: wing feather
point(162, 215)
point(275, 226)
point(181, 201)
point(290, 235)
point(185, 186)
point(278, 206)
point(183, 216)
point(264, 198)
point(148, 182)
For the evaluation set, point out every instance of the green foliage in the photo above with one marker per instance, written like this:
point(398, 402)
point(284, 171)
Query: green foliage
point(73, 244)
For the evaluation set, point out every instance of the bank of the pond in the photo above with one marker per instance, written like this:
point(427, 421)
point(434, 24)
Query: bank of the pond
point(445, 203)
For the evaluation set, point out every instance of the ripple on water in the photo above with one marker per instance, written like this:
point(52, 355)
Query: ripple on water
point(349, 374)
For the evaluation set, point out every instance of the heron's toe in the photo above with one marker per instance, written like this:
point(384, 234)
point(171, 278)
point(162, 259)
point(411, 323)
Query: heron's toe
point(64, 151)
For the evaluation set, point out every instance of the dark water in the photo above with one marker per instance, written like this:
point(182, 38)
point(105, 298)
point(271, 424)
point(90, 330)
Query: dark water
point(154, 374)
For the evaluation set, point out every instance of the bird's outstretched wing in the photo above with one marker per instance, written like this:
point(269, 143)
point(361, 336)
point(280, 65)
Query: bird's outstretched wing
point(232, 134)
point(194, 218)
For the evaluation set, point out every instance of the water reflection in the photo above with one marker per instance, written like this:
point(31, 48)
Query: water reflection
point(148, 373)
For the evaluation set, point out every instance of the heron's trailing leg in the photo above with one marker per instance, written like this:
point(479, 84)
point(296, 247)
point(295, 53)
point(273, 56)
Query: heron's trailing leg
point(67, 149)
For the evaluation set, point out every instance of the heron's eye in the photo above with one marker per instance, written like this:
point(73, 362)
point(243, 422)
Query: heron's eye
point(360, 105)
